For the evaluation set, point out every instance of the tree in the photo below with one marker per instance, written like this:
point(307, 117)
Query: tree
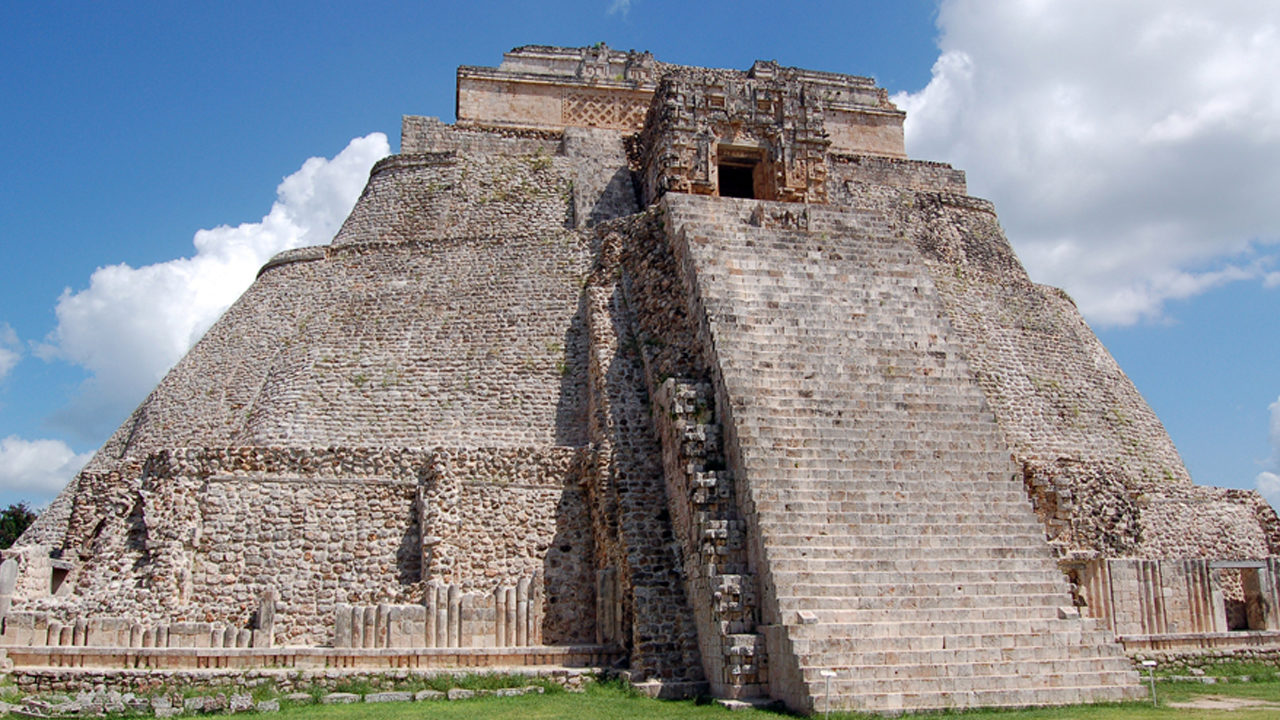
point(13, 521)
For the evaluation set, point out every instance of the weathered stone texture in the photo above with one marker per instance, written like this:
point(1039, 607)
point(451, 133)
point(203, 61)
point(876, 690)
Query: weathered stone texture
point(499, 518)
point(857, 436)
point(1090, 446)
point(688, 370)
point(641, 597)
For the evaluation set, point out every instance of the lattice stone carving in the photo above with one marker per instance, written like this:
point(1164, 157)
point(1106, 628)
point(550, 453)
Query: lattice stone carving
point(585, 109)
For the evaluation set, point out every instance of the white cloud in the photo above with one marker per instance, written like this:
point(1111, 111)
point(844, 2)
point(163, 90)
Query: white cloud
point(1130, 147)
point(1269, 482)
point(1269, 486)
point(10, 349)
point(37, 468)
point(132, 324)
point(620, 7)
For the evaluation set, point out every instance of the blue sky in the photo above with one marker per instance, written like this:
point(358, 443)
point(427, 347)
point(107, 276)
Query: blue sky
point(157, 152)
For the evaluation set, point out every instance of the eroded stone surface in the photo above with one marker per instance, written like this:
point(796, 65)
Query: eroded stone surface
point(688, 366)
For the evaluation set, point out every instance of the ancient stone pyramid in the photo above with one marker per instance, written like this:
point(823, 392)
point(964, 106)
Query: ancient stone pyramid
point(682, 370)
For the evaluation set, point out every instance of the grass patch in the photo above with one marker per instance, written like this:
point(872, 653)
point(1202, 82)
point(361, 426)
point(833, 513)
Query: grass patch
point(1232, 668)
point(612, 699)
point(600, 700)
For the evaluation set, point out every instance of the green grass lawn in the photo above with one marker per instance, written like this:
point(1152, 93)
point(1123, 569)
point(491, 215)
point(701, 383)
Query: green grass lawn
point(611, 701)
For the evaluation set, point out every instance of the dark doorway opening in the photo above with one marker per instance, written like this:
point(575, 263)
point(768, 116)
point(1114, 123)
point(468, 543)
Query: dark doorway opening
point(737, 181)
point(56, 578)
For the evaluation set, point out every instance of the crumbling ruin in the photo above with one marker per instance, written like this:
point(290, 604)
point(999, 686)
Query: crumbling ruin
point(683, 370)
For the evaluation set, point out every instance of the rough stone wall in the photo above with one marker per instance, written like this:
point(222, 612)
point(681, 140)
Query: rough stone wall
point(207, 396)
point(1200, 521)
point(642, 599)
point(1088, 442)
point(450, 194)
point(220, 527)
point(1054, 386)
point(421, 135)
point(847, 172)
point(494, 518)
point(211, 530)
point(460, 332)
point(1102, 472)
point(602, 186)
point(708, 530)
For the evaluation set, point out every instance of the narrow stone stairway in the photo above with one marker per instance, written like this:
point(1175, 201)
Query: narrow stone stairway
point(898, 548)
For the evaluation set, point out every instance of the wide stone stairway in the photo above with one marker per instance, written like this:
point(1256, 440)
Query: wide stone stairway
point(896, 545)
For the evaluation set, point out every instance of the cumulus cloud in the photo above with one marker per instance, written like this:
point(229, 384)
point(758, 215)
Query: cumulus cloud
point(10, 349)
point(1268, 482)
point(1130, 147)
point(1269, 485)
point(132, 324)
point(37, 468)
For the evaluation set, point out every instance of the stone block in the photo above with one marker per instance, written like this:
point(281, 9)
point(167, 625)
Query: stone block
point(240, 702)
point(383, 697)
point(19, 629)
point(342, 625)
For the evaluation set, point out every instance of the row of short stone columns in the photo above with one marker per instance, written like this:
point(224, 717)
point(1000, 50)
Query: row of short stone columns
point(34, 629)
point(510, 616)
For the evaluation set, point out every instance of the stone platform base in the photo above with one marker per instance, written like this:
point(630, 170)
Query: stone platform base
point(31, 680)
point(1201, 642)
point(309, 658)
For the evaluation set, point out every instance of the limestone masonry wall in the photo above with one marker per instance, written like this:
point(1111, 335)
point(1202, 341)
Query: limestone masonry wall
point(642, 599)
point(497, 518)
point(1090, 446)
point(686, 371)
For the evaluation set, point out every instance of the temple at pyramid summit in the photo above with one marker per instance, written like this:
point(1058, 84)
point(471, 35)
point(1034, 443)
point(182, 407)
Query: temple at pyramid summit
point(689, 374)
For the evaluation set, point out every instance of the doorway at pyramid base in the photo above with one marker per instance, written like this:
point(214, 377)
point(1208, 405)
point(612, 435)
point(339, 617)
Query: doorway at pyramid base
point(354, 558)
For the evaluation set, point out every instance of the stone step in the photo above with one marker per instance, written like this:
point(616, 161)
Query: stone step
point(940, 634)
point(916, 567)
point(1030, 609)
point(941, 665)
point(939, 521)
point(837, 556)
point(814, 507)
point(776, 537)
point(907, 588)
point(1011, 691)
point(990, 636)
point(801, 575)
point(884, 480)
point(1086, 651)
point(876, 490)
point(895, 701)
point(961, 452)
point(776, 524)
point(826, 606)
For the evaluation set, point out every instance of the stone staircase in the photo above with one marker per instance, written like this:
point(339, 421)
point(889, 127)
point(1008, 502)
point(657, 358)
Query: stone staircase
point(896, 546)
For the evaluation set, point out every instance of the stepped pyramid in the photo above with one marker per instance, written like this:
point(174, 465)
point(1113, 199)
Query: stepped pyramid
point(680, 370)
